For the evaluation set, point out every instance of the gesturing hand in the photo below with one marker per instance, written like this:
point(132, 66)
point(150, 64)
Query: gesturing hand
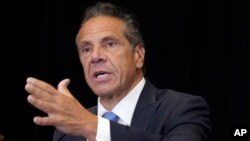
point(63, 110)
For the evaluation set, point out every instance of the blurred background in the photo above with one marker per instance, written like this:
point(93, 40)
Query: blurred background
point(197, 47)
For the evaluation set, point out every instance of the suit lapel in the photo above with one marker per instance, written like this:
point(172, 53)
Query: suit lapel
point(145, 107)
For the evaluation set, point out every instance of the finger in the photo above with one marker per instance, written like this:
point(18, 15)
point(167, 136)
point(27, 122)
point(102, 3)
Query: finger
point(39, 104)
point(43, 120)
point(63, 87)
point(37, 92)
point(42, 85)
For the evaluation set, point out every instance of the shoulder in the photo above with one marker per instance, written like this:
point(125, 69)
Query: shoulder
point(169, 96)
point(177, 98)
point(182, 105)
point(175, 95)
point(173, 99)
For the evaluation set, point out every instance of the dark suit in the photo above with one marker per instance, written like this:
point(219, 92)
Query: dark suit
point(160, 115)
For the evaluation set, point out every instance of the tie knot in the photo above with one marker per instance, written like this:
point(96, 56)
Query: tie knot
point(111, 116)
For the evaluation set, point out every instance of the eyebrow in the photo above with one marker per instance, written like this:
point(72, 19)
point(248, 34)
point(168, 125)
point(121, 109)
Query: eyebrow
point(81, 43)
point(110, 37)
point(102, 40)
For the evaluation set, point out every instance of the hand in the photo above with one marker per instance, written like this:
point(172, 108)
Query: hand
point(63, 110)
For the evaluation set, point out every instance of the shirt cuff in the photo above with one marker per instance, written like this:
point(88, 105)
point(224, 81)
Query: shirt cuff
point(103, 130)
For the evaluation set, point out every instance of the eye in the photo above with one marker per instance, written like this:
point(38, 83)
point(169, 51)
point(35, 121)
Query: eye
point(85, 49)
point(110, 43)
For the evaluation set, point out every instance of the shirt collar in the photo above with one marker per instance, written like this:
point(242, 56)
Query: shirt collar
point(125, 108)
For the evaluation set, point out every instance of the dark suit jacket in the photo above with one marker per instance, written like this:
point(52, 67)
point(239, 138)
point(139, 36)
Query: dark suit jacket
point(160, 115)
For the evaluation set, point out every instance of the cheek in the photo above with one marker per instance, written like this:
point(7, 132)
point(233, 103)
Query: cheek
point(84, 66)
point(127, 64)
point(121, 61)
point(83, 61)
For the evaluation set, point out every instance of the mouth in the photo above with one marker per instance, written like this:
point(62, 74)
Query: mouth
point(101, 75)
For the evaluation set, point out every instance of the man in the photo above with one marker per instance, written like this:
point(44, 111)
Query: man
point(111, 51)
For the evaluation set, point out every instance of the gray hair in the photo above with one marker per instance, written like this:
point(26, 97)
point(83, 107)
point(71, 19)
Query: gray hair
point(132, 32)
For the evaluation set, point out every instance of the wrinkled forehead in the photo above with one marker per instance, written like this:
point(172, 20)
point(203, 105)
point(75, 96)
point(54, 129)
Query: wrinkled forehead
point(101, 25)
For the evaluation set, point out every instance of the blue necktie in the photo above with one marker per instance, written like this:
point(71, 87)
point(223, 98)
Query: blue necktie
point(111, 116)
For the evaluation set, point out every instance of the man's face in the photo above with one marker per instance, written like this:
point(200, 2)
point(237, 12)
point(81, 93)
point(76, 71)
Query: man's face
point(111, 66)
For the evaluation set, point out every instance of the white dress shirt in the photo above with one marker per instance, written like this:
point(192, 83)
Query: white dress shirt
point(124, 109)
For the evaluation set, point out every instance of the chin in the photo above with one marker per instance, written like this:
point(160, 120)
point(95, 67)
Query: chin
point(102, 89)
point(103, 93)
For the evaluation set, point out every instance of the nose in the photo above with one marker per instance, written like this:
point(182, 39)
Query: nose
point(97, 55)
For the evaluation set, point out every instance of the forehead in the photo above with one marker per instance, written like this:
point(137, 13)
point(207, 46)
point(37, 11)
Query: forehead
point(102, 25)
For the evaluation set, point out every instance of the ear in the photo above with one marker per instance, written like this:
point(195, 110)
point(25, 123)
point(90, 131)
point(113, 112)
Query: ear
point(139, 55)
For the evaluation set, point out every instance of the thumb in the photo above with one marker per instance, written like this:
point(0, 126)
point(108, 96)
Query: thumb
point(63, 87)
